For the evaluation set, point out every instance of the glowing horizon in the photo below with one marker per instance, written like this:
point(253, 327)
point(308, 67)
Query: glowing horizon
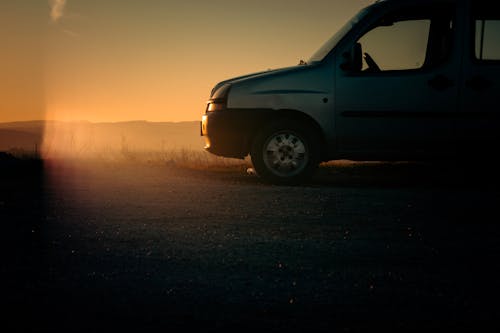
point(109, 61)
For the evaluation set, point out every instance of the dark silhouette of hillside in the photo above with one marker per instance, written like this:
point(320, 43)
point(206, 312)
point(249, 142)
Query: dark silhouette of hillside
point(17, 139)
point(88, 137)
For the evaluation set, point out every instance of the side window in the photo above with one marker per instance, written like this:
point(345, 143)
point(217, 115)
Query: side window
point(400, 46)
point(406, 40)
point(487, 39)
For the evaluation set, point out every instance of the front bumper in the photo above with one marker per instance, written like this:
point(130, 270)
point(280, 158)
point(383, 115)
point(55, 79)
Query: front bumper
point(226, 133)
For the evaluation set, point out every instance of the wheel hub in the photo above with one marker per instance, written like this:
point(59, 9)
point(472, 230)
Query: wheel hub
point(285, 154)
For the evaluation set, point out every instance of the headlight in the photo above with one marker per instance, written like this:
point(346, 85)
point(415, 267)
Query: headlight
point(216, 106)
point(218, 101)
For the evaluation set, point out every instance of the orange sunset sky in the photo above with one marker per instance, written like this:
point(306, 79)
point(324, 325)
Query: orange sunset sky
point(155, 60)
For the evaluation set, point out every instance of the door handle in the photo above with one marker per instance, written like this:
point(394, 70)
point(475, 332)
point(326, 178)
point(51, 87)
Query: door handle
point(440, 82)
point(478, 83)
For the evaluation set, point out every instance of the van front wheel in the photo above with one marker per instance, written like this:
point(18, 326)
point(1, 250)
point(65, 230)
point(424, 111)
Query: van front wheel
point(285, 152)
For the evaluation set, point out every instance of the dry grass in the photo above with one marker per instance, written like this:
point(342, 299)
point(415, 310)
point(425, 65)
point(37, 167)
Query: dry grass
point(184, 155)
point(22, 154)
point(188, 159)
point(184, 158)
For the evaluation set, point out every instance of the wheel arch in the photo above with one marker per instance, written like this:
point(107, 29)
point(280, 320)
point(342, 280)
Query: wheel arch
point(269, 116)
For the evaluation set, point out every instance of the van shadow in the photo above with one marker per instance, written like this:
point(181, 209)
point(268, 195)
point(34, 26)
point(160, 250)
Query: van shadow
point(407, 174)
point(428, 174)
point(400, 174)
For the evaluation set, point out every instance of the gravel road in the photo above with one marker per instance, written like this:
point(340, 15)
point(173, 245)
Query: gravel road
point(112, 246)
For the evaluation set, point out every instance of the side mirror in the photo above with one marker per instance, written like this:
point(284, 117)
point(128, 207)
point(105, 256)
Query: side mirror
point(352, 60)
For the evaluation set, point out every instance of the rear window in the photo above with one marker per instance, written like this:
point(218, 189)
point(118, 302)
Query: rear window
point(486, 22)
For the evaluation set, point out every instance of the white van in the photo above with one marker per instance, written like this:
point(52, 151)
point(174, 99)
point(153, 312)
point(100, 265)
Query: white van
point(401, 80)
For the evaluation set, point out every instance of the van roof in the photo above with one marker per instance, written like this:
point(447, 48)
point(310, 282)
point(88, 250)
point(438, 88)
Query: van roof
point(418, 2)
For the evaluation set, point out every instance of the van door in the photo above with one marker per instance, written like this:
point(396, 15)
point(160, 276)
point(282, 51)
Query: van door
point(478, 128)
point(398, 98)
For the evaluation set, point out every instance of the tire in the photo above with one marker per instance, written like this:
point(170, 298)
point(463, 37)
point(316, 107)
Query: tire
point(285, 152)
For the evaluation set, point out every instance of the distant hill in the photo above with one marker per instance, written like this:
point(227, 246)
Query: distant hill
point(82, 137)
point(17, 139)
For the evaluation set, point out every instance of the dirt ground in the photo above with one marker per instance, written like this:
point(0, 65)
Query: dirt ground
point(405, 247)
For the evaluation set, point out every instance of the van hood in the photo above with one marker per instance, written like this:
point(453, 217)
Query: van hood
point(268, 72)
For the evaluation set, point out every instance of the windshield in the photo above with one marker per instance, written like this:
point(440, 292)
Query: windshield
point(330, 44)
